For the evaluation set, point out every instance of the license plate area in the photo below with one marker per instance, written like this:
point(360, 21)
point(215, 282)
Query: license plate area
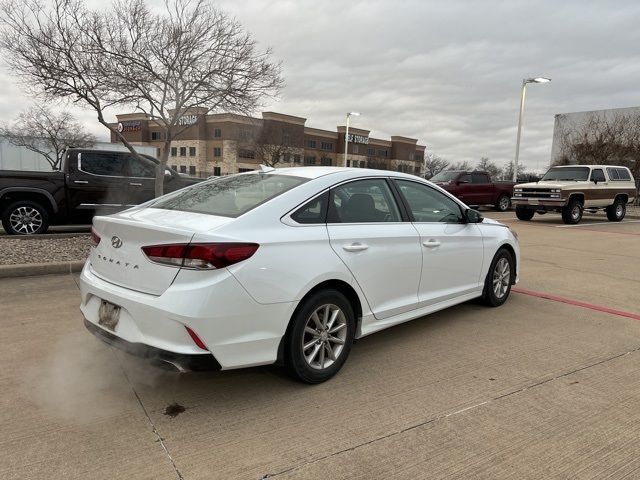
point(108, 315)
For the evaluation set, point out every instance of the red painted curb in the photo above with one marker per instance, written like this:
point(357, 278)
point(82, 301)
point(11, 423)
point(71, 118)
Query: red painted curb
point(577, 303)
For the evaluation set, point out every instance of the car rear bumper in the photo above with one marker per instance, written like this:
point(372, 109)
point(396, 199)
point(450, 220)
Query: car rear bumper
point(164, 358)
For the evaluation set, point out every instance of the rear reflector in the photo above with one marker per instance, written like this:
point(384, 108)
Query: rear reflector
point(200, 256)
point(196, 339)
point(95, 238)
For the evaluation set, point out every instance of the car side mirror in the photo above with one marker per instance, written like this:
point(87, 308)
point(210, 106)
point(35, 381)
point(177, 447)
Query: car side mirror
point(473, 216)
point(168, 174)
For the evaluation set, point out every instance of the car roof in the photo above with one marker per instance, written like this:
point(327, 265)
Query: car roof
point(589, 166)
point(316, 172)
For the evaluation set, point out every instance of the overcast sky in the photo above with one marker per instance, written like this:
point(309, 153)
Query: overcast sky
point(447, 73)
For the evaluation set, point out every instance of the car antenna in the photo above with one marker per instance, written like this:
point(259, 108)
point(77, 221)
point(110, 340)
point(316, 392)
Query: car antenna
point(266, 169)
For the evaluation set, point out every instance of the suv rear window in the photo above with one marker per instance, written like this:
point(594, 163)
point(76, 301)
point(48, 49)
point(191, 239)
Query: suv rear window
point(229, 196)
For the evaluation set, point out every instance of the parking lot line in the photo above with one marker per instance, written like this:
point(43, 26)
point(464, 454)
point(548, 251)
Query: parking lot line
point(577, 303)
point(597, 223)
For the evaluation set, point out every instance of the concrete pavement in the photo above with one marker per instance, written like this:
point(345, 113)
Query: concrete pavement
point(533, 389)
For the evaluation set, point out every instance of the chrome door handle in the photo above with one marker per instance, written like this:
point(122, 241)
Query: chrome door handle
point(431, 244)
point(136, 184)
point(355, 247)
point(80, 181)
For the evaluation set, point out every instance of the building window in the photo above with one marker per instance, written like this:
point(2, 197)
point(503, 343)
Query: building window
point(175, 167)
point(355, 149)
point(371, 152)
point(382, 153)
point(311, 144)
point(192, 151)
point(217, 133)
point(416, 170)
point(183, 151)
point(217, 152)
point(174, 151)
point(242, 170)
point(243, 153)
point(183, 169)
point(363, 164)
point(246, 134)
point(325, 161)
point(348, 163)
point(156, 135)
point(192, 170)
point(309, 160)
point(417, 156)
point(216, 171)
point(412, 156)
point(326, 146)
point(296, 159)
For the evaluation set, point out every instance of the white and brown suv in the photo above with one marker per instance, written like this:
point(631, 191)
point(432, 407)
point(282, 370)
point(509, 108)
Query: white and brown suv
point(572, 189)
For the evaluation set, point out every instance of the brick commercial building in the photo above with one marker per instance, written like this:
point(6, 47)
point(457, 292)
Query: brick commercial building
point(224, 143)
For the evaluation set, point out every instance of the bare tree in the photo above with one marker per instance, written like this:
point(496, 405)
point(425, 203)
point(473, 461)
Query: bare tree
point(434, 164)
point(507, 172)
point(169, 65)
point(274, 145)
point(462, 166)
point(47, 133)
point(487, 165)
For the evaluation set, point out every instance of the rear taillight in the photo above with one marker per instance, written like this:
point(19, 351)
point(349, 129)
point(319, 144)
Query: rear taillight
point(95, 238)
point(200, 256)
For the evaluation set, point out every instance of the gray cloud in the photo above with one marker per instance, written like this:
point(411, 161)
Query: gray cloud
point(447, 73)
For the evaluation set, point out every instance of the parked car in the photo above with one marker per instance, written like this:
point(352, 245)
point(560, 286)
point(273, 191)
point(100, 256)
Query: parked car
point(89, 182)
point(287, 266)
point(572, 189)
point(476, 188)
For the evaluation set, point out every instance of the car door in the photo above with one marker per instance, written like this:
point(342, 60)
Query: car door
point(141, 179)
point(464, 190)
point(482, 191)
point(598, 194)
point(96, 183)
point(383, 252)
point(452, 250)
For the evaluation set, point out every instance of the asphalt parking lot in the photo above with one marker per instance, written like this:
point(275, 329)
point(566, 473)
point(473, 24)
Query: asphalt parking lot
point(547, 386)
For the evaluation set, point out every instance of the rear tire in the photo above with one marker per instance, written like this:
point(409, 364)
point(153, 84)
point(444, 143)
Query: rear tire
point(572, 213)
point(617, 211)
point(503, 203)
point(524, 213)
point(500, 277)
point(320, 337)
point(25, 217)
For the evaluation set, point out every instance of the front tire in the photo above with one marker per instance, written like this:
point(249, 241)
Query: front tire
point(320, 337)
point(500, 277)
point(25, 217)
point(617, 211)
point(572, 213)
point(503, 203)
point(524, 213)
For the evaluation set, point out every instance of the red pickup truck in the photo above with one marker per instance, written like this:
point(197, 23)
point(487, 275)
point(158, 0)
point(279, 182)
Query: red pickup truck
point(476, 188)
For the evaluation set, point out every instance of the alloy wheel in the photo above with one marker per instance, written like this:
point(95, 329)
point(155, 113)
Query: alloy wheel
point(501, 277)
point(619, 210)
point(325, 334)
point(25, 220)
point(575, 212)
point(504, 204)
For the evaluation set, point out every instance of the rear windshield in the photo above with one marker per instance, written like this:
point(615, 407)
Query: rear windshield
point(567, 173)
point(229, 196)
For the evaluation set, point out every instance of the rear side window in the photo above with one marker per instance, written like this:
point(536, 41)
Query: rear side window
point(314, 211)
point(102, 163)
point(624, 174)
point(229, 196)
point(613, 173)
point(479, 178)
point(363, 201)
point(466, 178)
point(141, 167)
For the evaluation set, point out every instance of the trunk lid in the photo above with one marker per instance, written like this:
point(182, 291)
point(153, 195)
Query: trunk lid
point(119, 258)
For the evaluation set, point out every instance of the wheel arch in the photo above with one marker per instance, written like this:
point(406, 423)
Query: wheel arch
point(13, 194)
point(334, 284)
point(623, 196)
point(579, 195)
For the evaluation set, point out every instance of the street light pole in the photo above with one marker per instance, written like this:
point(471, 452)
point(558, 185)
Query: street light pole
point(523, 92)
point(346, 135)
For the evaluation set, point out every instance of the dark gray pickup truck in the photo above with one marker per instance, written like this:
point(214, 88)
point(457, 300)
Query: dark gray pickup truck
point(90, 182)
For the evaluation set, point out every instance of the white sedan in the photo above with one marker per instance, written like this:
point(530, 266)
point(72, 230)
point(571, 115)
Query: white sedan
point(287, 266)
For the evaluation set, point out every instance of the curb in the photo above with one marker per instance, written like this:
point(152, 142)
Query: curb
point(45, 236)
point(34, 269)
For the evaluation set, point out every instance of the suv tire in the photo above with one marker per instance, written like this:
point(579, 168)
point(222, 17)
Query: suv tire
point(497, 284)
point(325, 324)
point(524, 213)
point(25, 217)
point(503, 203)
point(572, 213)
point(617, 211)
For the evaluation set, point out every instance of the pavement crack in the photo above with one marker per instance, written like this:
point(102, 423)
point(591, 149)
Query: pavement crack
point(155, 431)
point(444, 416)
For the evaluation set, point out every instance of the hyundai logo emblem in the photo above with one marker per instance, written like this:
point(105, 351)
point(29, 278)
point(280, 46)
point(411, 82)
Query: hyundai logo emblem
point(116, 242)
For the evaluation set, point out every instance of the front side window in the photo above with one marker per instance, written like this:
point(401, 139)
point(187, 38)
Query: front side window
point(597, 175)
point(98, 163)
point(479, 178)
point(229, 196)
point(363, 201)
point(428, 205)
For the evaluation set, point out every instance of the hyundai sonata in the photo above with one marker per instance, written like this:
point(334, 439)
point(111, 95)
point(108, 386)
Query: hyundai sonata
point(287, 266)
